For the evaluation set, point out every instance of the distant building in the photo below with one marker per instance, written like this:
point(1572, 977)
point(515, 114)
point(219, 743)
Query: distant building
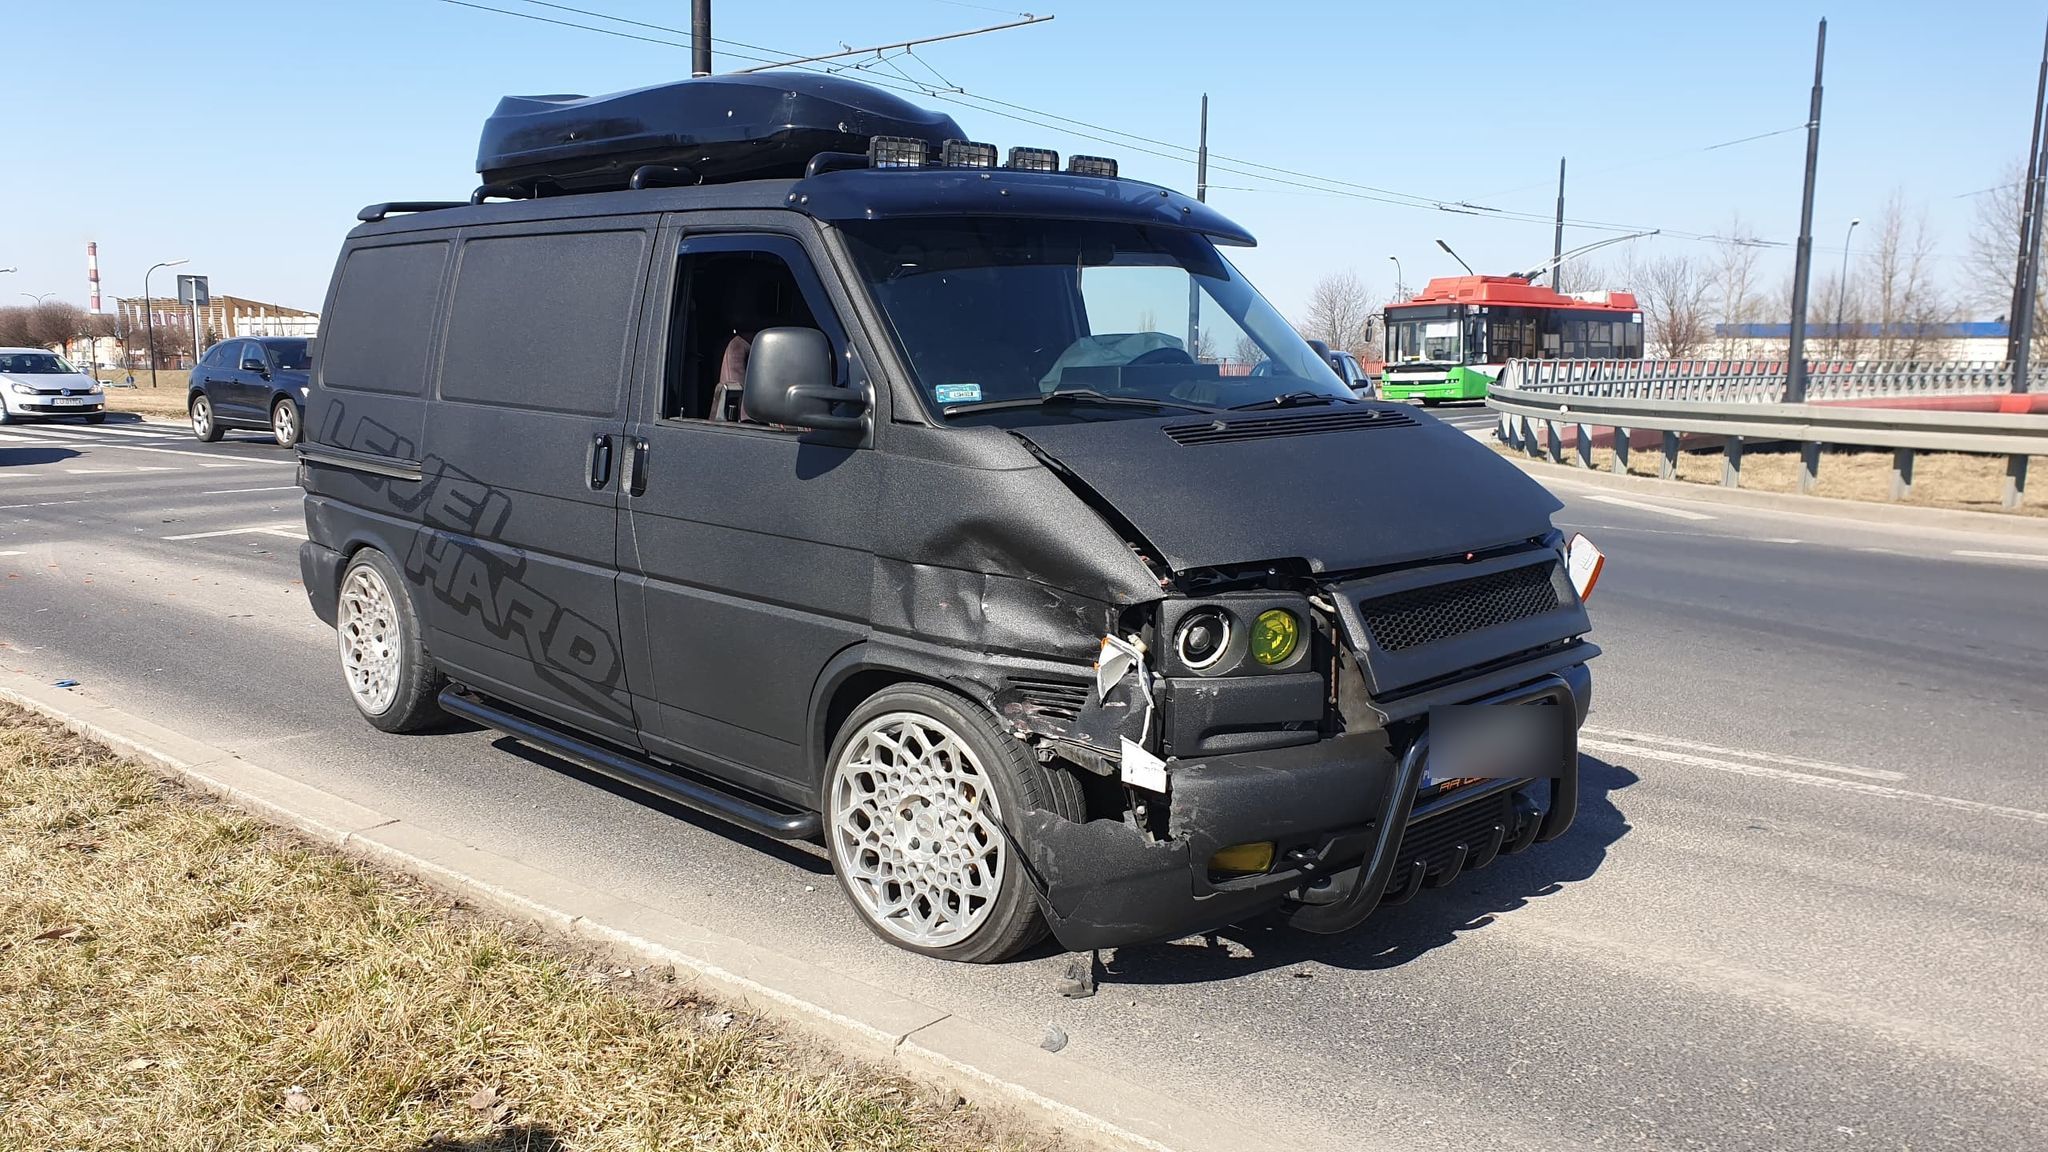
point(225, 317)
point(1961, 340)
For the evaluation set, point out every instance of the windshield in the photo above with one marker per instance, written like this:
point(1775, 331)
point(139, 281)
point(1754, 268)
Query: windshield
point(1002, 313)
point(1429, 337)
point(290, 355)
point(34, 364)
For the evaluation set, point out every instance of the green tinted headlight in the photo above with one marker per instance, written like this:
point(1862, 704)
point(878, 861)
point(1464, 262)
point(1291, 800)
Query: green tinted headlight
point(1274, 636)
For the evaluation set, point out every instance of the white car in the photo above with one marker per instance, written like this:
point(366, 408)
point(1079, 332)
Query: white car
point(38, 384)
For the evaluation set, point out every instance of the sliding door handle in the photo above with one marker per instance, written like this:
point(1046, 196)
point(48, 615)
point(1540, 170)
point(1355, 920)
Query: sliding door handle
point(597, 462)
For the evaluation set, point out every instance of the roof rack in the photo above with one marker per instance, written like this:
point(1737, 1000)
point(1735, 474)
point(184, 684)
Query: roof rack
point(376, 212)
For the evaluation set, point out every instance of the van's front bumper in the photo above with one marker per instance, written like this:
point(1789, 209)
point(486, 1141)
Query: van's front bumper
point(1342, 812)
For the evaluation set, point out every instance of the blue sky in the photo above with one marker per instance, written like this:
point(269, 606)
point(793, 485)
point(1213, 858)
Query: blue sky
point(244, 136)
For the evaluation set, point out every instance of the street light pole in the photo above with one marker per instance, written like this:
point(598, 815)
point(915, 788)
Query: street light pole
point(38, 297)
point(1842, 285)
point(149, 315)
point(1455, 256)
point(1802, 260)
point(1400, 283)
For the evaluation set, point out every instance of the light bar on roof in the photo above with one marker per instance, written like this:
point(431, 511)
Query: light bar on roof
point(896, 152)
point(1034, 160)
point(967, 154)
point(1079, 165)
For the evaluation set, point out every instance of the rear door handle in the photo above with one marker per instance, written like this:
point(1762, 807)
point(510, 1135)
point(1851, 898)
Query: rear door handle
point(597, 462)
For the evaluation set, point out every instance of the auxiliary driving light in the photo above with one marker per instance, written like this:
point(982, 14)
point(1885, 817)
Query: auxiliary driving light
point(967, 154)
point(896, 152)
point(1202, 639)
point(1034, 160)
point(1274, 636)
point(1079, 165)
point(1243, 859)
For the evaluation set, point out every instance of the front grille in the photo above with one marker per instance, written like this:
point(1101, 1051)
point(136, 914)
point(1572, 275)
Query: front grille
point(1403, 620)
point(1435, 841)
point(1221, 431)
point(1051, 697)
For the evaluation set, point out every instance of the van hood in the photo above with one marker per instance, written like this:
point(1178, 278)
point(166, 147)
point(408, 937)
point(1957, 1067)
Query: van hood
point(1342, 487)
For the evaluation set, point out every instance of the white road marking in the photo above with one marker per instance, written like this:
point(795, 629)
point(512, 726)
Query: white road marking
point(252, 530)
point(14, 552)
point(1641, 506)
point(94, 471)
point(1882, 791)
point(41, 504)
point(208, 461)
point(1766, 757)
point(2036, 557)
point(239, 491)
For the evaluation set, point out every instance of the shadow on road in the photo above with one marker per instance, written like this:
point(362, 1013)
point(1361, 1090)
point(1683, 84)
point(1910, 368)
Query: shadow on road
point(29, 457)
point(1395, 936)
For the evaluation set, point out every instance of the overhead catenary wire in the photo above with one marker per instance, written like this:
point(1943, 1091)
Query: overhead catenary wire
point(1299, 182)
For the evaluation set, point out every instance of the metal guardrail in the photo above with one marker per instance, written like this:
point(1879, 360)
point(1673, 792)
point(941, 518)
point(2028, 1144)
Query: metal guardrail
point(1764, 380)
point(1741, 402)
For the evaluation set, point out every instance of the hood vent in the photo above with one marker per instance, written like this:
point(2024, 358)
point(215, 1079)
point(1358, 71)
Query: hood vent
point(1227, 431)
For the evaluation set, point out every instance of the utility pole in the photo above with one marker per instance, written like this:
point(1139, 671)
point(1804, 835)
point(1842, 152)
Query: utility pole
point(2028, 270)
point(1802, 265)
point(700, 37)
point(1557, 237)
point(1201, 194)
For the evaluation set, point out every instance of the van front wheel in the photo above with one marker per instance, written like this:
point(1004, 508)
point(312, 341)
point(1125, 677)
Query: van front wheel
point(922, 799)
point(390, 677)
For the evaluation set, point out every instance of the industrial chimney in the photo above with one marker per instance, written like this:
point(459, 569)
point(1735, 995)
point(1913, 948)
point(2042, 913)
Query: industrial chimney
point(92, 273)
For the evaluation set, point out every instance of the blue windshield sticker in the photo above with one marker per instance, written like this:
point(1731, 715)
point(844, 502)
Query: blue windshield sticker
point(958, 393)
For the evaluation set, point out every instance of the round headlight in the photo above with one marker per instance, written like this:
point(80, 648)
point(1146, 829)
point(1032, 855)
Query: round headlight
point(1274, 636)
point(1202, 638)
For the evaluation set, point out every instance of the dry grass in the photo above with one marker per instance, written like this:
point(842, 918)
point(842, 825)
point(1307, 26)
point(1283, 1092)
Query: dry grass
point(166, 399)
point(177, 975)
point(1940, 479)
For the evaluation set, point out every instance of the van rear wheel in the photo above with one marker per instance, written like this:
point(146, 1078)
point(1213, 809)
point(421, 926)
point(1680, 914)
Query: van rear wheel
point(390, 677)
point(923, 798)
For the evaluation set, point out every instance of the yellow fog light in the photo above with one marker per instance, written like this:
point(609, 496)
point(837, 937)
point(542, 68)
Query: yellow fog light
point(1243, 858)
point(1274, 635)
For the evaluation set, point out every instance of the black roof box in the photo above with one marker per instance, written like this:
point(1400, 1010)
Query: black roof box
point(740, 127)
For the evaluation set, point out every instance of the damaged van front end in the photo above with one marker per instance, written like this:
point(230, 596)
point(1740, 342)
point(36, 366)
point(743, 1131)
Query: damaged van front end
point(1296, 733)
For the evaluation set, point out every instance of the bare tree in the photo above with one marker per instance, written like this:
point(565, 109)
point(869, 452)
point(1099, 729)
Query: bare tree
point(1838, 309)
point(1246, 350)
point(14, 327)
point(53, 323)
point(1584, 276)
point(162, 344)
point(1675, 293)
point(1342, 313)
point(1738, 299)
point(1993, 256)
point(1905, 302)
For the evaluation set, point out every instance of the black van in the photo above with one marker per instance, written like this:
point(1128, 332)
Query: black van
point(764, 443)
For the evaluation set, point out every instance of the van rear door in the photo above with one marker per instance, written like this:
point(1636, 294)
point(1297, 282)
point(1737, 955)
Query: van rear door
point(525, 439)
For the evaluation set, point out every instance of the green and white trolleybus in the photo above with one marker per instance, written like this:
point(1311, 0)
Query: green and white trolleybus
point(1450, 341)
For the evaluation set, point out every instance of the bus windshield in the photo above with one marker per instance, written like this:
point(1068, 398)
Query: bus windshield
point(1424, 336)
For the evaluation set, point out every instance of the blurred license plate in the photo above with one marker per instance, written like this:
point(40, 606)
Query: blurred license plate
point(1473, 743)
point(73, 401)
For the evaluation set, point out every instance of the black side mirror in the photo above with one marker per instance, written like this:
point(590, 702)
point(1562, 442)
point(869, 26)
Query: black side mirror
point(256, 366)
point(789, 381)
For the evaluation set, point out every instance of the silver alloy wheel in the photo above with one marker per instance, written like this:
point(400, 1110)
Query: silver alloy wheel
point(916, 828)
point(366, 621)
point(202, 416)
point(284, 423)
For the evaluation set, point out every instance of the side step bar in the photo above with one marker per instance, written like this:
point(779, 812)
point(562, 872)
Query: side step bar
point(703, 797)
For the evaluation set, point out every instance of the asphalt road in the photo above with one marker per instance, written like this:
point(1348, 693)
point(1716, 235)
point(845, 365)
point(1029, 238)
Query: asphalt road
point(1805, 904)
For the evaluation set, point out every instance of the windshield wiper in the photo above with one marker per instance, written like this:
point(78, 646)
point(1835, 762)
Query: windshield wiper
point(1071, 396)
point(1293, 400)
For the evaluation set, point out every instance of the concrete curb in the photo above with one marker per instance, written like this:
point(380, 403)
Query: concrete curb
point(924, 1041)
point(1825, 507)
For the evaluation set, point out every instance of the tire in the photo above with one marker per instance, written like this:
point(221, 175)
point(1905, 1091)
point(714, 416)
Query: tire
point(205, 428)
point(284, 422)
point(384, 663)
point(1429, 403)
point(7, 417)
point(96, 418)
point(905, 859)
